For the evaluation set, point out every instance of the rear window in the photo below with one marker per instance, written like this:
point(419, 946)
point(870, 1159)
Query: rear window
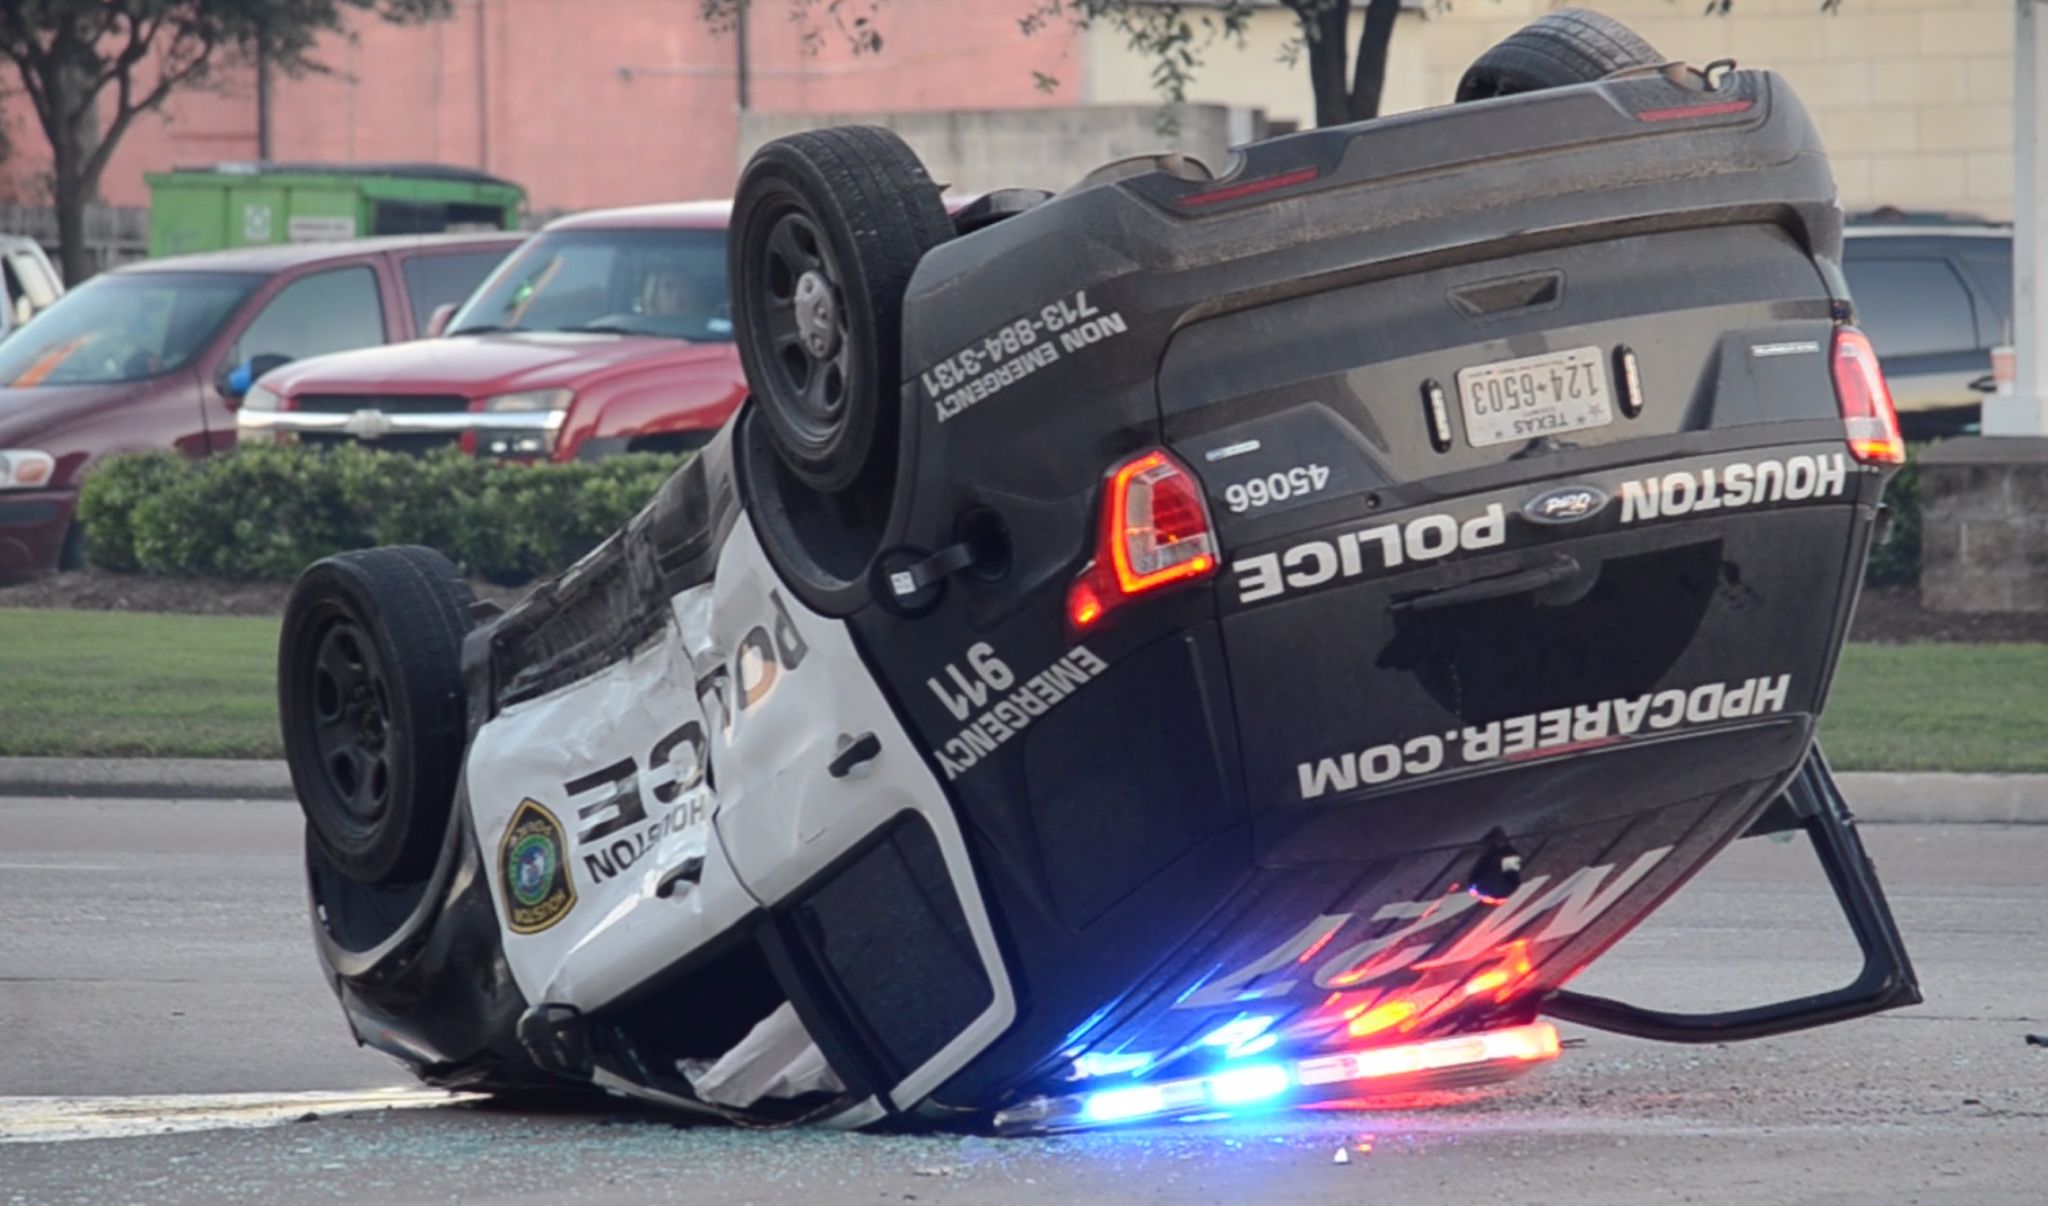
point(1912, 307)
point(435, 280)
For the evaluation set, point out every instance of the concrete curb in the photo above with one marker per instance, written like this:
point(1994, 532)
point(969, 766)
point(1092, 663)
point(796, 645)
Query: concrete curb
point(1876, 798)
point(148, 778)
point(1890, 798)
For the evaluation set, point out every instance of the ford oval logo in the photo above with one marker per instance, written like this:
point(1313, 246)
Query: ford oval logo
point(1565, 504)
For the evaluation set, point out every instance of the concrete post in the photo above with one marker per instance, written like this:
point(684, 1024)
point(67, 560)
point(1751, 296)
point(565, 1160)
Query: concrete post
point(2025, 412)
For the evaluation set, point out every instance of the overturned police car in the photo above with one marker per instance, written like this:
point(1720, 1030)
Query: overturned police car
point(1189, 643)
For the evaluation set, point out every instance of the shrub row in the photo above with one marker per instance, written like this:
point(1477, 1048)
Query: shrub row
point(266, 513)
point(1896, 561)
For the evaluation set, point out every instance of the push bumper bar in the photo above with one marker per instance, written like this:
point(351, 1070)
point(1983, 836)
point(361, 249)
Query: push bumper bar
point(1886, 981)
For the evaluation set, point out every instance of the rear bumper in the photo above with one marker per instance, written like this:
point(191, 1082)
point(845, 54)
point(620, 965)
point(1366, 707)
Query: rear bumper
point(1326, 767)
point(32, 528)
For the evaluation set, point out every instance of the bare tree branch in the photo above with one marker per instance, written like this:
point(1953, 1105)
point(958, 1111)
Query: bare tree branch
point(74, 55)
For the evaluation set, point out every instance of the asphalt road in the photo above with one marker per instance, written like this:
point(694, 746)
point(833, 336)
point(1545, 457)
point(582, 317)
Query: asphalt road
point(153, 954)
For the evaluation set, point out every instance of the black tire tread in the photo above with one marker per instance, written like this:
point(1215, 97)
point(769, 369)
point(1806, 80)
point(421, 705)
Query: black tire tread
point(416, 606)
point(1568, 46)
point(893, 214)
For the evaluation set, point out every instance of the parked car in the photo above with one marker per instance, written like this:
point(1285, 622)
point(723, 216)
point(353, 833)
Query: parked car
point(29, 282)
point(1935, 299)
point(156, 355)
point(607, 332)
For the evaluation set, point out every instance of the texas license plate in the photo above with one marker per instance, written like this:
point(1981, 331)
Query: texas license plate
point(1513, 400)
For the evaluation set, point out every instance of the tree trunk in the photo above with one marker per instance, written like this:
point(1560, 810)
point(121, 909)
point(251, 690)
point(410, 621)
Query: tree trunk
point(74, 186)
point(1324, 31)
point(70, 198)
point(1370, 75)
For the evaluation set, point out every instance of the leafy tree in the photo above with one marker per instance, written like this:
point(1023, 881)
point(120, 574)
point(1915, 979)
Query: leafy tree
point(71, 54)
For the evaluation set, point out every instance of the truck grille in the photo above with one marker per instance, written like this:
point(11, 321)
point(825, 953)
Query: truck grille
point(390, 404)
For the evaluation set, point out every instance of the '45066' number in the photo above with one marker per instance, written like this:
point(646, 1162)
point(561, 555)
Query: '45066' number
point(1298, 482)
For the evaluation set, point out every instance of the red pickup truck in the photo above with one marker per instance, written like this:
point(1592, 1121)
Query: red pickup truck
point(606, 332)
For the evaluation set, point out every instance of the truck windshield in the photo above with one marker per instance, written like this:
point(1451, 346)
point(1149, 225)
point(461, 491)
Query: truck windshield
point(123, 327)
point(622, 282)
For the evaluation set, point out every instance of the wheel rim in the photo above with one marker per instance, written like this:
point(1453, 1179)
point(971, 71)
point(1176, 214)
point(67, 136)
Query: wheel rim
point(803, 313)
point(350, 721)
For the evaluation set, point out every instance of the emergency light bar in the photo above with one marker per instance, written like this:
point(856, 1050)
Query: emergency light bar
point(1406, 1067)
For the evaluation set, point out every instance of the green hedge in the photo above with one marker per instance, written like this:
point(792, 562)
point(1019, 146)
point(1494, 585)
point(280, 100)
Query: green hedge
point(265, 513)
point(1896, 562)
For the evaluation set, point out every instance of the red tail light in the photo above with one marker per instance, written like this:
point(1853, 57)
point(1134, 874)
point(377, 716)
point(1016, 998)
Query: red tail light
point(1866, 401)
point(1155, 532)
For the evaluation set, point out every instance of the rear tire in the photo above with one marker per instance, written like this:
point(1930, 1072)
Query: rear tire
point(371, 699)
point(827, 227)
point(71, 555)
point(1558, 49)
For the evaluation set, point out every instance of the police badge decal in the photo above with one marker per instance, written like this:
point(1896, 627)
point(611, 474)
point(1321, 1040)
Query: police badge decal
point(533, 873)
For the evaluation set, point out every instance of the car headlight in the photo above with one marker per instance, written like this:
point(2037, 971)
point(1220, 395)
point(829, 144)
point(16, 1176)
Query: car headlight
point(527, 441)
point(251, 422)
point(26, 469)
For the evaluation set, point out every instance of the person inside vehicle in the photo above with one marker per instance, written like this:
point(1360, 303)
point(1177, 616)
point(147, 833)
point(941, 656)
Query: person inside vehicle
point(669, 292)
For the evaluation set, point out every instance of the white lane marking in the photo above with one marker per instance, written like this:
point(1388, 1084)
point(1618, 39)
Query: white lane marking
point(60, 867)
point(57, 1119)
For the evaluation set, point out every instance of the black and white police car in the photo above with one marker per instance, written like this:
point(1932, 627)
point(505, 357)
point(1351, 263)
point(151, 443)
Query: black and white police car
point(1191, 643)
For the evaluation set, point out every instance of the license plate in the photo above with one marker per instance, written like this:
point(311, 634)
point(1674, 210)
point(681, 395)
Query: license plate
point(1513, 400)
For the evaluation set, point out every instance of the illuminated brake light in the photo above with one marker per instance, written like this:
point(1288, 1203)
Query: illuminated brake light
point(1866, 401)
point(1155, 532)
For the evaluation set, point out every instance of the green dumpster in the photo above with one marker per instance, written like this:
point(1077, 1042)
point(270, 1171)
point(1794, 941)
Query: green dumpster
point(251, 204)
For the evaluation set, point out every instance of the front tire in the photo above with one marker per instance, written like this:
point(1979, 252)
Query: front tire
point(371, 700)
point(827, 227)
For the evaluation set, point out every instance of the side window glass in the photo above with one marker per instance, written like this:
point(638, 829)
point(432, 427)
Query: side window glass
point(1912, 307)
point(1990, 262)
point(331, 311)
point(434, 280)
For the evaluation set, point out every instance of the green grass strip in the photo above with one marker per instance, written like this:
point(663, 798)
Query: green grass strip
point(1939, 707)
point(130, 684)
point(126, 684)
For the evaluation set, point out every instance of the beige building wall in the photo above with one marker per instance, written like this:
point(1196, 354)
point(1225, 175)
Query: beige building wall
point(1913, 97)
point(1252, 75)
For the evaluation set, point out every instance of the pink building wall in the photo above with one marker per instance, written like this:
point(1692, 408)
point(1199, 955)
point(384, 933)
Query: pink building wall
point(585, 102)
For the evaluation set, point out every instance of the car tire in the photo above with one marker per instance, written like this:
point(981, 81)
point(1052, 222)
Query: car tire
point(371, 699)
point(827, 227)
point(71, 554)
point(1569, 46)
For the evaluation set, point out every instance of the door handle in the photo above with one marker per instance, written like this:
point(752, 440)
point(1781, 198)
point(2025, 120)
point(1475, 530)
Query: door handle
point(854, 753)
